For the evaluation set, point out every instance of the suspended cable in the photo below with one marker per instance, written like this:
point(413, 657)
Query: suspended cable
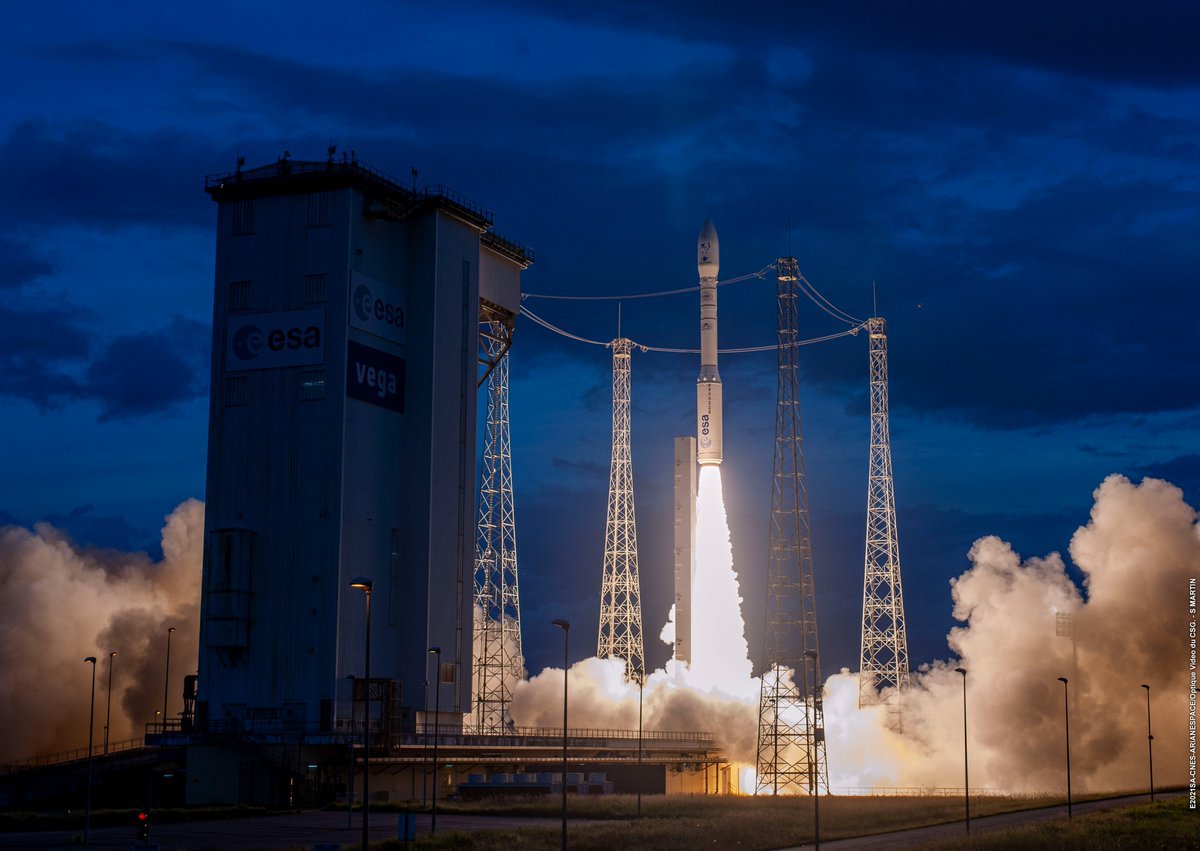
point(759, 274)
point(525, 311)
point(814, 295)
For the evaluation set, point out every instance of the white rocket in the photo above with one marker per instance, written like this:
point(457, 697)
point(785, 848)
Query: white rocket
point(709, 419)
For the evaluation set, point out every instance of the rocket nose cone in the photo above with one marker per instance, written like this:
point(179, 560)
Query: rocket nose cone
point(708, 252)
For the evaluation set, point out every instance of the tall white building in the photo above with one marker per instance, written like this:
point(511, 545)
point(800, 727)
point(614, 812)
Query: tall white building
point(342, 443)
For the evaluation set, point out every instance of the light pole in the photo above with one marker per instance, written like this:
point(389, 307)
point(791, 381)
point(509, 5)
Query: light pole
point(364, 584)
point(1149, 740)
point(108, 711)
point(167, 679)
point(565, 626)
point(814, 786)
point(641, 688)
point(437, 710)
point(1067, 718)
point(966, 765)
point(87, 820)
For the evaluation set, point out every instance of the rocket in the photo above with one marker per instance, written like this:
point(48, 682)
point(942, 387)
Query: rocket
point(709, 419)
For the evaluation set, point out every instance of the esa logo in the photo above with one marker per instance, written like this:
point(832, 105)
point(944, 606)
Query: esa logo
point(368, 307)
point(249, 341)
point(704, 424)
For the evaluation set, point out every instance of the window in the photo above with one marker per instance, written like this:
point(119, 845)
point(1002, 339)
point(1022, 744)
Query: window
point(312, 384)
point(240, 295)
point(243, 218)
point(318, 209)
point(314, 289)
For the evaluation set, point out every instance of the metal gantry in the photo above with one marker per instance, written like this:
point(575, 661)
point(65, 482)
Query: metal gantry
point(620, 594)
point(791, 728)
point(497, 661)
point(883, 671)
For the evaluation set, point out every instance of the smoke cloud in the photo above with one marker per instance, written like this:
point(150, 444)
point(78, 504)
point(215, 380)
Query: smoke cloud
point(1127, 626)
point(61, 603)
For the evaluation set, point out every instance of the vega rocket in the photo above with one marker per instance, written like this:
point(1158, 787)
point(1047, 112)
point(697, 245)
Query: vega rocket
point(709, 418)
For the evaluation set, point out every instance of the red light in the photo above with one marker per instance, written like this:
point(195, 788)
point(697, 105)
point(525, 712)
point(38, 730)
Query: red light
point(142, 816)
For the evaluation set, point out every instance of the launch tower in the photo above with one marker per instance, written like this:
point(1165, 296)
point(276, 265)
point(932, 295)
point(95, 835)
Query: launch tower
point(791, 728)
point(497, 661)
point(883, 672)
point(620, 594)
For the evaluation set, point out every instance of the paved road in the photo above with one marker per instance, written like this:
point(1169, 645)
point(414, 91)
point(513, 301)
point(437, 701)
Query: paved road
point(302, 830)
point(988, 824)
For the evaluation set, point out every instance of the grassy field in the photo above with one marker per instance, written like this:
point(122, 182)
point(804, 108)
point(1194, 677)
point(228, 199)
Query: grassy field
point(690, 823)
point(1169, 826)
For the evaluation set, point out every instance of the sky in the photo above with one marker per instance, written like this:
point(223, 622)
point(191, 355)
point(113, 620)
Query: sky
point(1017, 184)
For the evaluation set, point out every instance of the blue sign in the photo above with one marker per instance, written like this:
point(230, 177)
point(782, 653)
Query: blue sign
point(375, 377)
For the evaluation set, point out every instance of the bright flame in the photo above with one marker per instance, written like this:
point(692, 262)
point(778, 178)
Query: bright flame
point(720, 658)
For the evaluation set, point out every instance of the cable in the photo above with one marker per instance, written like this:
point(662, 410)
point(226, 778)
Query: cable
point(759, 274)
point(525, 311)
point(825, 304)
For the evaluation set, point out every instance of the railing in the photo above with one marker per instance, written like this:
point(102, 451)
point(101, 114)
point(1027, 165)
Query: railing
point(76, 754)
point(295, 167)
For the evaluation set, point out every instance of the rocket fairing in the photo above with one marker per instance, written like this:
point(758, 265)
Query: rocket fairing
point(709, 418)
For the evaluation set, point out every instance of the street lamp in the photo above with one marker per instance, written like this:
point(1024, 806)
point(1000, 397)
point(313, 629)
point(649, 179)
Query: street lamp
point(108, 710)
point(1149, 740)
point(565, 626)
point(814, 786)
point(362, 583)
point(167, 679)
point(1067, 718)
point(437, 710)
point(87, 822)
point(641, 688)
point(966, 765)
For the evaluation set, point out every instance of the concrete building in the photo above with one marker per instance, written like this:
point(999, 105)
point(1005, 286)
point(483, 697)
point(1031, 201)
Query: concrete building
point(342, 435)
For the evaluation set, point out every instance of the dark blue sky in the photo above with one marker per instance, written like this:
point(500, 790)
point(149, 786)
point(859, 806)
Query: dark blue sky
point(1022, 181)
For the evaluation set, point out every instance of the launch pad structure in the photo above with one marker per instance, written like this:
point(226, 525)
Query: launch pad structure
point(620, 633)
point(791, 728)
point(883, 670)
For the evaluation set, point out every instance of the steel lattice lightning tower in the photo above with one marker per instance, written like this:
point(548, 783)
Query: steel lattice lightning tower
point(620, 594)
point(791, 727)
point(883, 672)
point(498, 664)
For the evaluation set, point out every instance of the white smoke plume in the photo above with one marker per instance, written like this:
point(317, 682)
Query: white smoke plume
point(1137, 553)
point(62, 603)
point(1130, 623)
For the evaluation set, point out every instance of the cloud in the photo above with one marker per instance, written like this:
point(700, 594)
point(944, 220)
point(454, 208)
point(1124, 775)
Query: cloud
point(151, 372)
point(48, 360)
point(19, 265)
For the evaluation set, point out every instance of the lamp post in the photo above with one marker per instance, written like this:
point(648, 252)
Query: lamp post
point(814, 785)
point(362, 583)
point(565, 626)
point(641, 688)
point(87, 820)
point(108, 711)
point(966, 764)
point(437, 711)
point(1149, 740)
point(1067, 718)
point(167, 678)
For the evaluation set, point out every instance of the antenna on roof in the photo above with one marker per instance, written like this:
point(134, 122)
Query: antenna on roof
point(331, 150)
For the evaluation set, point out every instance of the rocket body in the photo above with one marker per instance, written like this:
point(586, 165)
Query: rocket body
point(709, 417)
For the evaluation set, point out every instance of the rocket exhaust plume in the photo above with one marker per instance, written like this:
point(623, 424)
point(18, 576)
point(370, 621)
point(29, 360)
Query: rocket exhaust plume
point(709, 419)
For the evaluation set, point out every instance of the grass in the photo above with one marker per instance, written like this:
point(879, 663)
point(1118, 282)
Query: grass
point(685, 823)
point(1167, 825)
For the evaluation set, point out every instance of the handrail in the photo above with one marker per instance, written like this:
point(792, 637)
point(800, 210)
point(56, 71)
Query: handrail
point(75, 754)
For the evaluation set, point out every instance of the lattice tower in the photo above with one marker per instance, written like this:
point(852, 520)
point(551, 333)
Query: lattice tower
point(497, 662)
point(883, 672)
point(620, 595)
point(791, 726)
